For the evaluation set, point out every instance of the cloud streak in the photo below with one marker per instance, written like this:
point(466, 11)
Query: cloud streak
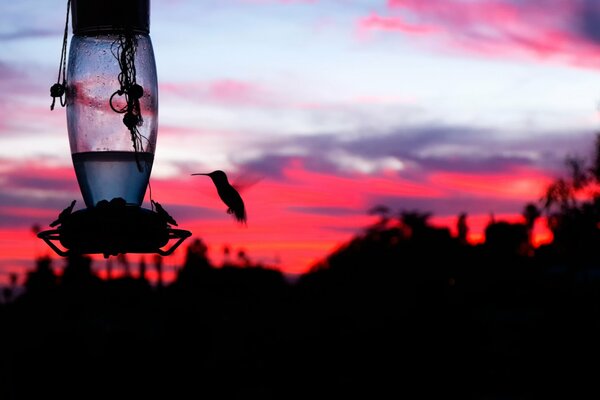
point(29, 34)
point(563, 30)
point(415, 152)
point(221, 91)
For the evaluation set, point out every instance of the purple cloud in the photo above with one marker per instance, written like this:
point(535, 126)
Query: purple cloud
point(428, 148)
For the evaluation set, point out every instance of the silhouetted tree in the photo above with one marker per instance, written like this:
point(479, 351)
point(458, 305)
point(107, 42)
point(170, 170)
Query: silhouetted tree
point(123, 261)
point(9, 291)
point(462, 228)
point(383, 212)
point(595, 167)
point(243, 258)
point(142, 269)
point(78, 273)
point(109, 268)
point(562, 194)
point(42, 279)
point(196, 265)
point(415, 221)
point(226, 254)
point(572, 206)
point(158, 267)
point(507, 239)
point(531, 213)
point(196, 254)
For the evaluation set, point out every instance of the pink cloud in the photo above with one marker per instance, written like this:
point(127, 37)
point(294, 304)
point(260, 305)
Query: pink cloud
point(229, 90)
point(495, 28)
point(459, 12)
point(224, 91)
point(394, 24)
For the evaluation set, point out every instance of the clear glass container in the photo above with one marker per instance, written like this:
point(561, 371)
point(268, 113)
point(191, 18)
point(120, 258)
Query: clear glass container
point(106, 162)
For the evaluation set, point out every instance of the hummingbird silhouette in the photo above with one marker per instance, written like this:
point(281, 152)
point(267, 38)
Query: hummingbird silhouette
point(228, 195)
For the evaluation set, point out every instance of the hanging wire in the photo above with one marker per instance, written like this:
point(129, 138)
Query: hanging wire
point(150, 195)
point(59, 88)
point(124, 49)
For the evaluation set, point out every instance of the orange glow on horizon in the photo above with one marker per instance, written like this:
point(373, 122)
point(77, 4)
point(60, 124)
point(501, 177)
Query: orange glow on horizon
point(293, 222)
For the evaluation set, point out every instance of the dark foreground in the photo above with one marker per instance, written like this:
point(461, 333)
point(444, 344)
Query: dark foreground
point(381, 319)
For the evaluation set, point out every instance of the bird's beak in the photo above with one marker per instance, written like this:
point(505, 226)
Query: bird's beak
point(200, 174)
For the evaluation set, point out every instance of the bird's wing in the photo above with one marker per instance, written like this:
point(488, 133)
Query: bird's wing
point(244, 180)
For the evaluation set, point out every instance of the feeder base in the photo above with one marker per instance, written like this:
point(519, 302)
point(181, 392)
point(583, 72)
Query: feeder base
point(113, 228)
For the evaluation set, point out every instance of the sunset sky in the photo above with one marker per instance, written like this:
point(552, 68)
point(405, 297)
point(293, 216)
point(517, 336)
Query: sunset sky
point(323, 109)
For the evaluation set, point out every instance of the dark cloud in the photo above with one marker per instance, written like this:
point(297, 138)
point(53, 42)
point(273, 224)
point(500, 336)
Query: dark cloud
point(473, 149)
point(30, 186)
point(427, 149)
point(589, 20)
point(29, 200)
point(405, 141)
point(351, 231)
point(18, 182)
point(450, 206)
point(51, 206)
point(480, 164)
point(10, 220)
point(269, 165)
point(184, 212)
point(315, 150)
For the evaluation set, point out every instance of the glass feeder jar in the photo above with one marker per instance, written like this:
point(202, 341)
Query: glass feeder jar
point(111, 76)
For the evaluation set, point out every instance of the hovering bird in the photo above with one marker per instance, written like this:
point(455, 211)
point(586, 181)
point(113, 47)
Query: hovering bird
point(228, 195)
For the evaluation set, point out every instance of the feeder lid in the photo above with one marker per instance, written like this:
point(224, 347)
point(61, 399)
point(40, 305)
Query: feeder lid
point(110, 16)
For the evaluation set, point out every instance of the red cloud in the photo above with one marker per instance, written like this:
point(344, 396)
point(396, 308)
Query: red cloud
point(521, 185)
point(298, 218)
point(290, 217)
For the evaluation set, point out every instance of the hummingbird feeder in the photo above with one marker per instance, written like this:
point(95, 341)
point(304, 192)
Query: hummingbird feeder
point(111, 96)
